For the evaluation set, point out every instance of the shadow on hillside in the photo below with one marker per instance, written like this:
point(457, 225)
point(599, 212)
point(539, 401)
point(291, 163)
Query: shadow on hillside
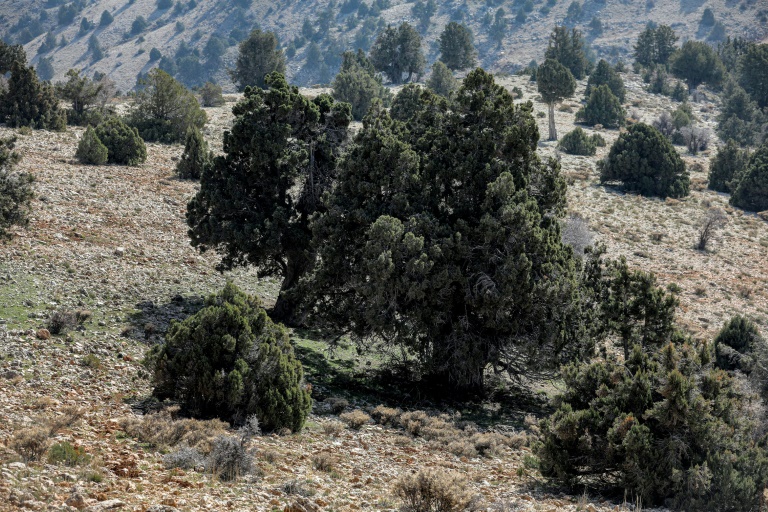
point(150, 323)
point(689, 6)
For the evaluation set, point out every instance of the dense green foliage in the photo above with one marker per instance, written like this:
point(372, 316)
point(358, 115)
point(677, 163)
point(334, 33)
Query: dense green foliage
point(10, 54)
point(602, 108)
point(567, 48)
point(645, 162)
point(753, 67)
point(740, 118)
point(604, 74)
point(441, 80)
point(663, 425)
point(124, 144)
point(407, 103)
point(752, 191)
point(577, 142)
point(438, 238)
point(358, 84)
point(655, 45)
point(164, 109)
point(195, 157)
point(457, 48)
point(259, 55)
point(738, 338)
point(230, 361)
point(696, 63)
point(256, 200)
point(90, 150)
point(15, 190)
point(397, 51)
point(727, 167)
point(29, 102)
point(555, 83)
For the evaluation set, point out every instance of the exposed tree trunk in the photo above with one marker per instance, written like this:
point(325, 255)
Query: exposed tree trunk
point(552, 128)
point(286, 309)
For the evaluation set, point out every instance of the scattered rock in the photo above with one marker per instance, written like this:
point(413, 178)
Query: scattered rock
point(106, 505)
point(76, 500)
point(120, 252)
point(301, 505)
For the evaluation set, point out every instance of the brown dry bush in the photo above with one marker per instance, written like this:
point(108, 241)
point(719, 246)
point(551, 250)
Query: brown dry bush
point(336, 404)
point(386, 415)
point(162, 430)
point(323, 461)
point(31, 443)
point(462, 448)
point(69, 416)
point(333, 428)
point(429, 491)
point(355, 419)
point(413, 421)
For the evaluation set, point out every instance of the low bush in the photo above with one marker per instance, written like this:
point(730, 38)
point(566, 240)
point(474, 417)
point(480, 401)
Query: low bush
point(752, 191)
point(210, 95)
point(577, 142)
point(163, 430)
point(602, 108)
point(428, 491)
point(185, 458)
point(62, 321)
point(65, 453)
point(727, 167)
point(30, 443)
point(333, 428)
point(735, 343)
point(195, 157)
point(655, 425)
point(124, 146)
point(355, 419)
point(230, 361)
point(228, 459)
point(90, 150)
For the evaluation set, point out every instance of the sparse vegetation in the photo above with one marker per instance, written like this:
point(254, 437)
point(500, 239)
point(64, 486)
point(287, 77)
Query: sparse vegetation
point(15, 190)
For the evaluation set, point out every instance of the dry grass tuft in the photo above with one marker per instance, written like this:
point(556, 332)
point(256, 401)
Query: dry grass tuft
point(386, 415)
point(324, 461)
point(333, 428)
point(30, 443)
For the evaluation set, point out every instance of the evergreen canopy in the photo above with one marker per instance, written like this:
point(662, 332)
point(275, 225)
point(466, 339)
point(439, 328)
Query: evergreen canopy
point(457, 49)
point(259, 55)
point(397, 51)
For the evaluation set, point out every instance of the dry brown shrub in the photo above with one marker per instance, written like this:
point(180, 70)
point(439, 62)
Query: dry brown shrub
point(31, 443)
point(413, 421)
point(462, 448)
point(69, 416)
point(386, 415)
point(336, 404)
point(489, 444)
point(268, 456)
point(429, 491)
point(323, 461)
point(163, 430)
point(438, 428)
point(355, 419)
point(333, 428)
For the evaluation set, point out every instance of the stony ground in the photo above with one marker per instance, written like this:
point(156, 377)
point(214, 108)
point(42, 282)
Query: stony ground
point(111, 243)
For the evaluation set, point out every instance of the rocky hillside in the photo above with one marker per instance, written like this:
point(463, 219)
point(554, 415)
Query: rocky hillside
point(120, 43)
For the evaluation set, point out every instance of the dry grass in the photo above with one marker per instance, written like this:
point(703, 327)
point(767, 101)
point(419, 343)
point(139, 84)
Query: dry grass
point(162, 430)
point(324, 461)
point(386, 415)
point(333, 428)
point(431, 491)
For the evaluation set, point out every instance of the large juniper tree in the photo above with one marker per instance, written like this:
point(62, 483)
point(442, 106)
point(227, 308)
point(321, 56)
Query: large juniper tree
point(255, 201)
point(397, 51)
point(442, 238)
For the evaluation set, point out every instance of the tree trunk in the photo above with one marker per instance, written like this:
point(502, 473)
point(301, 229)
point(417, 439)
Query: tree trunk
point(552, 128)
point(286, 308)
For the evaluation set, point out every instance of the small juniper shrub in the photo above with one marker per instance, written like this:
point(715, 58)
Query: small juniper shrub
point(577, 142)
point(228, 459)
point(90, 150)
point(428, 491)
point(124, 145)
point(735, 343)
point(249, 365)
point(196, 156)
point(355, 419)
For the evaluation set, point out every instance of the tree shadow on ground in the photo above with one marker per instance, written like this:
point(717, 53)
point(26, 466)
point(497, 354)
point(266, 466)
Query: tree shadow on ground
point(151, 321)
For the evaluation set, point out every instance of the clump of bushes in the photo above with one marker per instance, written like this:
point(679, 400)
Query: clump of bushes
point(726, 167)
point(735, 343)
point(654, 425)
point(355, 419)
point(230, 361)
point(67, 454)
point(644, 161)
point(228, 459)
point(164, 430)
point(752, 191)
point(577, 142)
point(15, 189)
point(90, 150)
point(123, 143)
point(211, 95)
